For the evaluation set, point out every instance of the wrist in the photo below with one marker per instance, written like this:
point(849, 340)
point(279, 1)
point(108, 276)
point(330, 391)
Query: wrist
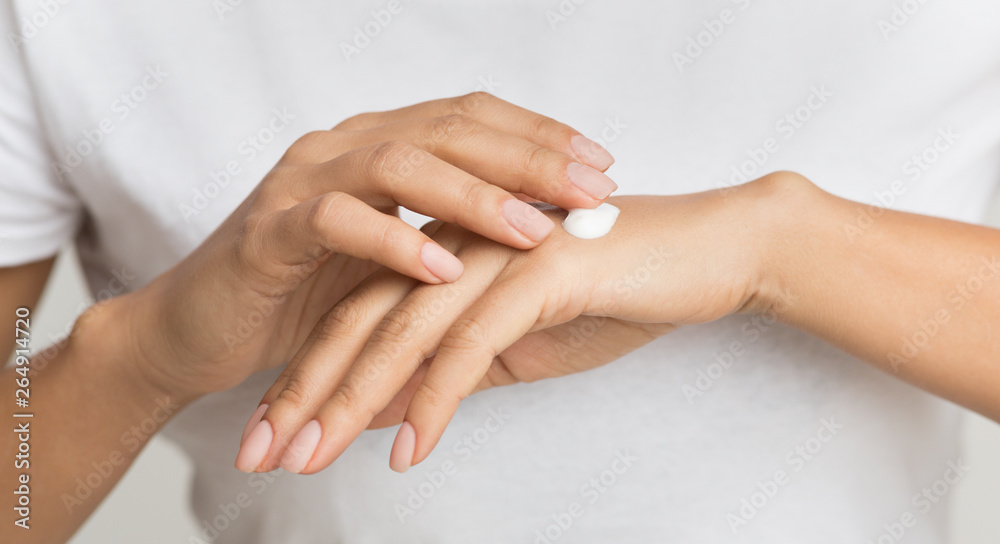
point(782, 206)
point(120, 340)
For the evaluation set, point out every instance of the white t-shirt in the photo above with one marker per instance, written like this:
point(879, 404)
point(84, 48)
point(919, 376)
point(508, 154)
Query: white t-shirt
point(740, 430)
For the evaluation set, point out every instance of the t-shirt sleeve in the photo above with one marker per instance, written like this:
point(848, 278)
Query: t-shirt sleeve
point(39, 212)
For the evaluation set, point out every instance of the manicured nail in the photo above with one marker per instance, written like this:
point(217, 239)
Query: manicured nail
point(590, 181)
point(445, 266)
point(403, 447)
point(527, 220)
point(255, 448)
point(302, 447)
point(591, 152)
point(254, 420)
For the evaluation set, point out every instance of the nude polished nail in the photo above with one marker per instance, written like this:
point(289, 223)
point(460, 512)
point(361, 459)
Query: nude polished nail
point(254, 420)
point(591, 152)
point(255, 447)
point(527, 220)
point(590, 181)
point(302, 447)
point(403, 447)
point(445, 266)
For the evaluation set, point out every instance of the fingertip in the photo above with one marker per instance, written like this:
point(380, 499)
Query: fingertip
point(591, 153)
point(528, 220)
point(301, 449)
point(439, 262)
point(254, 420)
point(418, 457)
point(432, 418)
point(255, 448)
point(401, 456)
point(430, 436)
point(590, 181)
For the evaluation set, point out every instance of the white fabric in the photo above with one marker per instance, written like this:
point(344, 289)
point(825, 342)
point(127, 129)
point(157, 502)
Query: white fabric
point(878, 82)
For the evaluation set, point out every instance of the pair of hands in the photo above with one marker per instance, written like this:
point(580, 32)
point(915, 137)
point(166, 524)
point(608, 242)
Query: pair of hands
point(281, 279)
point(395, 349)
point(324, 218)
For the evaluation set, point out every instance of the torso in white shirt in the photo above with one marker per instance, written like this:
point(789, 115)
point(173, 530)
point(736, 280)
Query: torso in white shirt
point(740, 430)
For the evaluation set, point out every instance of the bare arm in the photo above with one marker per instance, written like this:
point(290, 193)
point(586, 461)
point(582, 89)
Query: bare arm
point(90, 417)
point(20, 286)
point(917, 296)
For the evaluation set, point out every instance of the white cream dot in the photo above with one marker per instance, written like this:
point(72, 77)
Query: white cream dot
point(589, 224)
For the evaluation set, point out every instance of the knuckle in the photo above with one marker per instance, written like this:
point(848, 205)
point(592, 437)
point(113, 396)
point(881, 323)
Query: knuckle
point(311, 138)
point(283, 174)
point(274, 188)
point(327, 210)
point(398, 326)
point(467, 336)
point(544, 171)
point(533, 159)
point(388, 160)
point(295, 394)
point(449, 127)
point(544, 128)
point(391, 237)
point(310, 144)
point(350, 399)
point(469, 104)
point(249, 241)
point(470, 194)
point(345, 397)
point(348, 315)
point(434, 396)
point(498, 374)
point(277, 387)
point(356, 122)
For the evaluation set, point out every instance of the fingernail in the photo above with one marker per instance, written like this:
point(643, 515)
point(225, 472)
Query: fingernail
point(591, 152)
point(403, 447)
point(527, 219)
point(254, 420)
point(257, 444)
point(302, 447)
point(590, 181)
point(445, 266)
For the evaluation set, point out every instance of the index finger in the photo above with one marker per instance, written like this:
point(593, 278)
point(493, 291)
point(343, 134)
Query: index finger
point(500, 114)
point(465, 354)
point(405, 338)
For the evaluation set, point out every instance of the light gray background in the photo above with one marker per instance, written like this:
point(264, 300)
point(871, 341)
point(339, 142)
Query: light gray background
point(149, 505)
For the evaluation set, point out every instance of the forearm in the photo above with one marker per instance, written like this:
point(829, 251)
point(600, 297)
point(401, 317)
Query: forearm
point(917, 296)
point(91, 416)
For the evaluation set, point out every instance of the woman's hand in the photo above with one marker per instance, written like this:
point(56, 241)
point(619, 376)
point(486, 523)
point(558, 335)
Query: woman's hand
point(325, 217)
point(668, 261)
